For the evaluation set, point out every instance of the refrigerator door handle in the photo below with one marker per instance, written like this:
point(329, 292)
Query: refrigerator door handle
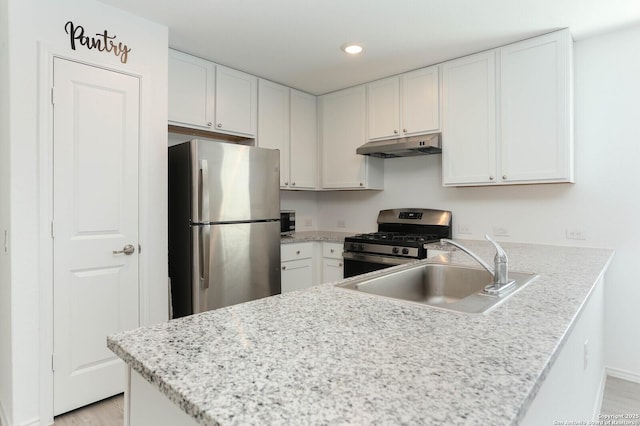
point(205, 235)
point(204, 191)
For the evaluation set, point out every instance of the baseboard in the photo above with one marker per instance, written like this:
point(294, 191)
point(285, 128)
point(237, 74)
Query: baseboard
point(32, 422)
point(623, 374)
point(600, 395)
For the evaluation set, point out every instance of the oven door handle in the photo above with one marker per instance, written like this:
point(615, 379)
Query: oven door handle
point(372, 258)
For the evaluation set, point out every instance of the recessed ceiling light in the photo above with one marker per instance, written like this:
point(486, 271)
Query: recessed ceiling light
point(352, 48)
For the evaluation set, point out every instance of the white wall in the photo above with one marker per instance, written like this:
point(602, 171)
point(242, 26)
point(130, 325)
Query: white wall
point(6, 399)
point(604, 202)
point(31, 22)
point(305, 203)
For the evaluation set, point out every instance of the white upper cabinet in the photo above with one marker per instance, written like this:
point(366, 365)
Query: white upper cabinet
point(469, 120)
point(191, 91)
point(273, 123)
point(287, 121)
point(383, 108)
point(514, 126)
point(203, 95)
point(303, 146)
point(404, 105)
point(236, 102)
point(536, 110)
point(420, 107)
point(343, 130)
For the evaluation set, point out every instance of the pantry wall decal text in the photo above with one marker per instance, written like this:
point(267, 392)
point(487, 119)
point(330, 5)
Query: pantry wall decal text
point(102, 41)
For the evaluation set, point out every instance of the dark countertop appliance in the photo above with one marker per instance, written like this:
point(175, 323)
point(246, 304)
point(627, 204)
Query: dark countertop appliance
point(402, 237)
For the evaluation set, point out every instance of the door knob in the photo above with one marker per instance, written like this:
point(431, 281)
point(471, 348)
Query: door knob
point(128, 250)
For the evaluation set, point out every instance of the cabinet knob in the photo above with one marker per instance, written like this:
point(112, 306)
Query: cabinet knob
point(361, 184)
point(293, 184)
point(340, 264)
point(219, 125)
point(395, 132)
point(286, 183)
point(284, 267)
point(331, 250)
point(404, 130)
point(490, 177)
point(209, 124)
point(297, 251)
point(504, 177)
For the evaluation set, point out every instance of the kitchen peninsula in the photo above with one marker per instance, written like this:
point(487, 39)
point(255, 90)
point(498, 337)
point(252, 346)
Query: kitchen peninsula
point(329, 356)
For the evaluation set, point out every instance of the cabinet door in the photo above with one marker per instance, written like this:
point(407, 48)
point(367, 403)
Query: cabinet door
point(332, 270)
point(296, 275)
point(236, 101)
point(420, 101)
point(383, 109)
point(303, 145)
point(273, 123)
point(536, 137)
point(191, 91)
point(343, 130)
point(469, 120)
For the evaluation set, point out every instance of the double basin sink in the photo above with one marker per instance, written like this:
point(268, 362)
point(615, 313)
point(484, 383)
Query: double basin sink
point(445, 286)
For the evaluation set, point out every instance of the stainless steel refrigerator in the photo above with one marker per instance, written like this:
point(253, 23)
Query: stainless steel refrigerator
point(224, 230)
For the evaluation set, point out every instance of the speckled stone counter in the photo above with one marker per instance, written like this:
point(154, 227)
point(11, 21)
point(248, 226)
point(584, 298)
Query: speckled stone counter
point(304, 236)
point(329, 356)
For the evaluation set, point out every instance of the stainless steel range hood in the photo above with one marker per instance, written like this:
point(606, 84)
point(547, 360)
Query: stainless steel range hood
point(403, 147)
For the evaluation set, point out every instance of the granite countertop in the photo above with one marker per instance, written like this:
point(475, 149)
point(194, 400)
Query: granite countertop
point(329, 356)
point(304, 236)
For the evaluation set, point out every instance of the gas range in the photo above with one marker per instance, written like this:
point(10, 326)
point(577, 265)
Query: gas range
point(402, 236)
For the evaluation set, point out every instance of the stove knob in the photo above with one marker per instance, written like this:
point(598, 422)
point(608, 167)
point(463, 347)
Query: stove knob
point(395, 250)
point(405, 251)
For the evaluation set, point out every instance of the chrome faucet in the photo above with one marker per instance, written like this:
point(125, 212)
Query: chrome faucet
point(500, 271)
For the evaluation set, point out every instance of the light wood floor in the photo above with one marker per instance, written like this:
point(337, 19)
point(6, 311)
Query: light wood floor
point(620, 397)
point(108, 412)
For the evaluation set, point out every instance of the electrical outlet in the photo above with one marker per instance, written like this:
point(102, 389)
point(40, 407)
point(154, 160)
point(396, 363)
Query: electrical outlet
point(500, 231)
point(586, 353)
point(576, 234)
point(341, 224)
point(464, 229)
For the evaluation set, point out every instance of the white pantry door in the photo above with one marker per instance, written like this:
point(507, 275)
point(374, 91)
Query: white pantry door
point(95, 212)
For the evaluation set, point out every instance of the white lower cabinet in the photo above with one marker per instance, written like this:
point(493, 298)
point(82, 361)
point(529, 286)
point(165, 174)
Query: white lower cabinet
point(309, 263)
point(332, 262)
point(296, 266)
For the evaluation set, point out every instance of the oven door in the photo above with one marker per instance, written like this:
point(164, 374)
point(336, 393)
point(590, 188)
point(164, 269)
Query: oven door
point(361, 263)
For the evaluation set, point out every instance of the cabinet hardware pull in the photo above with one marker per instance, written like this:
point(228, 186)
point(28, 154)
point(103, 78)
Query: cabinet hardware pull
point(209, 124)
point(219, 125)
point(284, 267)
point(297, 251)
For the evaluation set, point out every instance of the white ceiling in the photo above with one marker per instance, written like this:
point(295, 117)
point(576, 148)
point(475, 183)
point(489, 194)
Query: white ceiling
point(296, 42)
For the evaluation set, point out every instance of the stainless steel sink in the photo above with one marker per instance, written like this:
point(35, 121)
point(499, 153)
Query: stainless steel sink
point(445, 286)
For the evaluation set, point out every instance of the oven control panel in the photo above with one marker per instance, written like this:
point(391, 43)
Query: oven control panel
point(410, 215)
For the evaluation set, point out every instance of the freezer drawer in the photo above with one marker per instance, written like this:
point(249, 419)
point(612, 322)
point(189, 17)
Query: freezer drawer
point(235, 263)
